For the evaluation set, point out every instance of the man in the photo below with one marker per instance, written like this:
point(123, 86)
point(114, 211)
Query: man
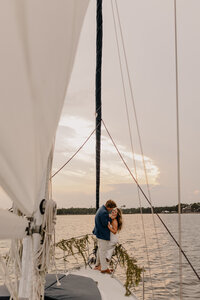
point(103, 234)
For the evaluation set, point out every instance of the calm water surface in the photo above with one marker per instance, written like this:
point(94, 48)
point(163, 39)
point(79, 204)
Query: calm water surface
point(162, 278)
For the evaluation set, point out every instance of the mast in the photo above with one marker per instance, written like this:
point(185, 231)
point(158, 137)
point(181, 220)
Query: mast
point(99, 36)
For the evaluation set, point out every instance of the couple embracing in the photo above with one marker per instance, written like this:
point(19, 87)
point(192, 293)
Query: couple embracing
point(108, 221)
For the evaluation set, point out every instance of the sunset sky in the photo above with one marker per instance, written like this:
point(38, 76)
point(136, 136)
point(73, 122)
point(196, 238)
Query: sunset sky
point(148, 30)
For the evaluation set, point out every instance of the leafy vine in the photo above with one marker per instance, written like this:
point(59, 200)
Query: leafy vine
point(79, 246)
point(133, 271)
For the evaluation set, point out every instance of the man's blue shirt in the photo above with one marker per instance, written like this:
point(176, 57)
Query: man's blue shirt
point(101, 224)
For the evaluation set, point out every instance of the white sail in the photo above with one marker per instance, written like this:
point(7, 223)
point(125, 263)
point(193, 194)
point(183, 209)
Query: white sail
point(15, 225)
point(38, 46)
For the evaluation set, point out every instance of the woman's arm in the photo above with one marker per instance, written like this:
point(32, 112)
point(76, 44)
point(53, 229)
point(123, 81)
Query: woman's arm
point(114, 226)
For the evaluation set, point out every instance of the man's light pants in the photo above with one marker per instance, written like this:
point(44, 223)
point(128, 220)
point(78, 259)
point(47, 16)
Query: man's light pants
point(101, 254)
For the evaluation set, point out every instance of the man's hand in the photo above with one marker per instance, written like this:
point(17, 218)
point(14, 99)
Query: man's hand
point(109, 225)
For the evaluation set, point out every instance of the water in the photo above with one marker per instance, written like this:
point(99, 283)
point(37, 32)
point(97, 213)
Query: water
point(132, 237)
point(164, 276)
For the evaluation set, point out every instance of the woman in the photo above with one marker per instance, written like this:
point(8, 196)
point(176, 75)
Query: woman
point(114, 228)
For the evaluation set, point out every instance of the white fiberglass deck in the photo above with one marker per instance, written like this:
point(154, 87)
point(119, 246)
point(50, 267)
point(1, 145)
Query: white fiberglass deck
point(109, 287)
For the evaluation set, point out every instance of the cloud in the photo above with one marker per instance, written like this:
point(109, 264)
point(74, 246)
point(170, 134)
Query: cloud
point(111, 163)
point(78, 177)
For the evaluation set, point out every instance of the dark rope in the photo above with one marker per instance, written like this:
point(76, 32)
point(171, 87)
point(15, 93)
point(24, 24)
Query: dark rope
point(98, 96)
point(182, 251)
point(74, 154)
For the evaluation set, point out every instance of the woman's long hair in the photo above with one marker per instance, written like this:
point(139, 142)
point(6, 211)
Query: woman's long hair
point(119, 219)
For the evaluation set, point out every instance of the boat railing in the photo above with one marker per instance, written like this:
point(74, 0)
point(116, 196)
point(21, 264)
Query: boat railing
point(85, 247)
point(78, 249)
point(90, 251)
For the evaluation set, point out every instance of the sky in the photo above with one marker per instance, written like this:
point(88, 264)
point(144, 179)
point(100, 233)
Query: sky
point(148, 32)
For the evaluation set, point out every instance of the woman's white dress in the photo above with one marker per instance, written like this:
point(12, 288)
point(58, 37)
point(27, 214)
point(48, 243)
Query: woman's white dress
point(111, 245)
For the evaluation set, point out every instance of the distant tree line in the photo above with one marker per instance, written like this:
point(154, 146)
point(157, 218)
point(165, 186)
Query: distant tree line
point(76, 211)
point(195, 207)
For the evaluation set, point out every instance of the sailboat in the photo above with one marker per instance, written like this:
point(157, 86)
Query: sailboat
point(39, 42)
point(38, 46)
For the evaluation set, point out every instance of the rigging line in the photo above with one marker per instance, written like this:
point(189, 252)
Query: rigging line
point(132, 98)
point(178, 148)
point(143, 193)
point(137, 124)
point(74, 153)
point(132, 148)
point(139, 137)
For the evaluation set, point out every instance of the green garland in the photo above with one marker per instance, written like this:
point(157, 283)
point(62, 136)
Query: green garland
point(75, 246)
point(133, 272)
point(79, 246)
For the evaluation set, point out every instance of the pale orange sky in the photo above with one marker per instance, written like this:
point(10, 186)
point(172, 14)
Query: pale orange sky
point(148, 28)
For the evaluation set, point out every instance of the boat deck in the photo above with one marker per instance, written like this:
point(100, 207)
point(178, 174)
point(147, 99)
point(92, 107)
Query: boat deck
point(109, 287)
point(73, 287)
